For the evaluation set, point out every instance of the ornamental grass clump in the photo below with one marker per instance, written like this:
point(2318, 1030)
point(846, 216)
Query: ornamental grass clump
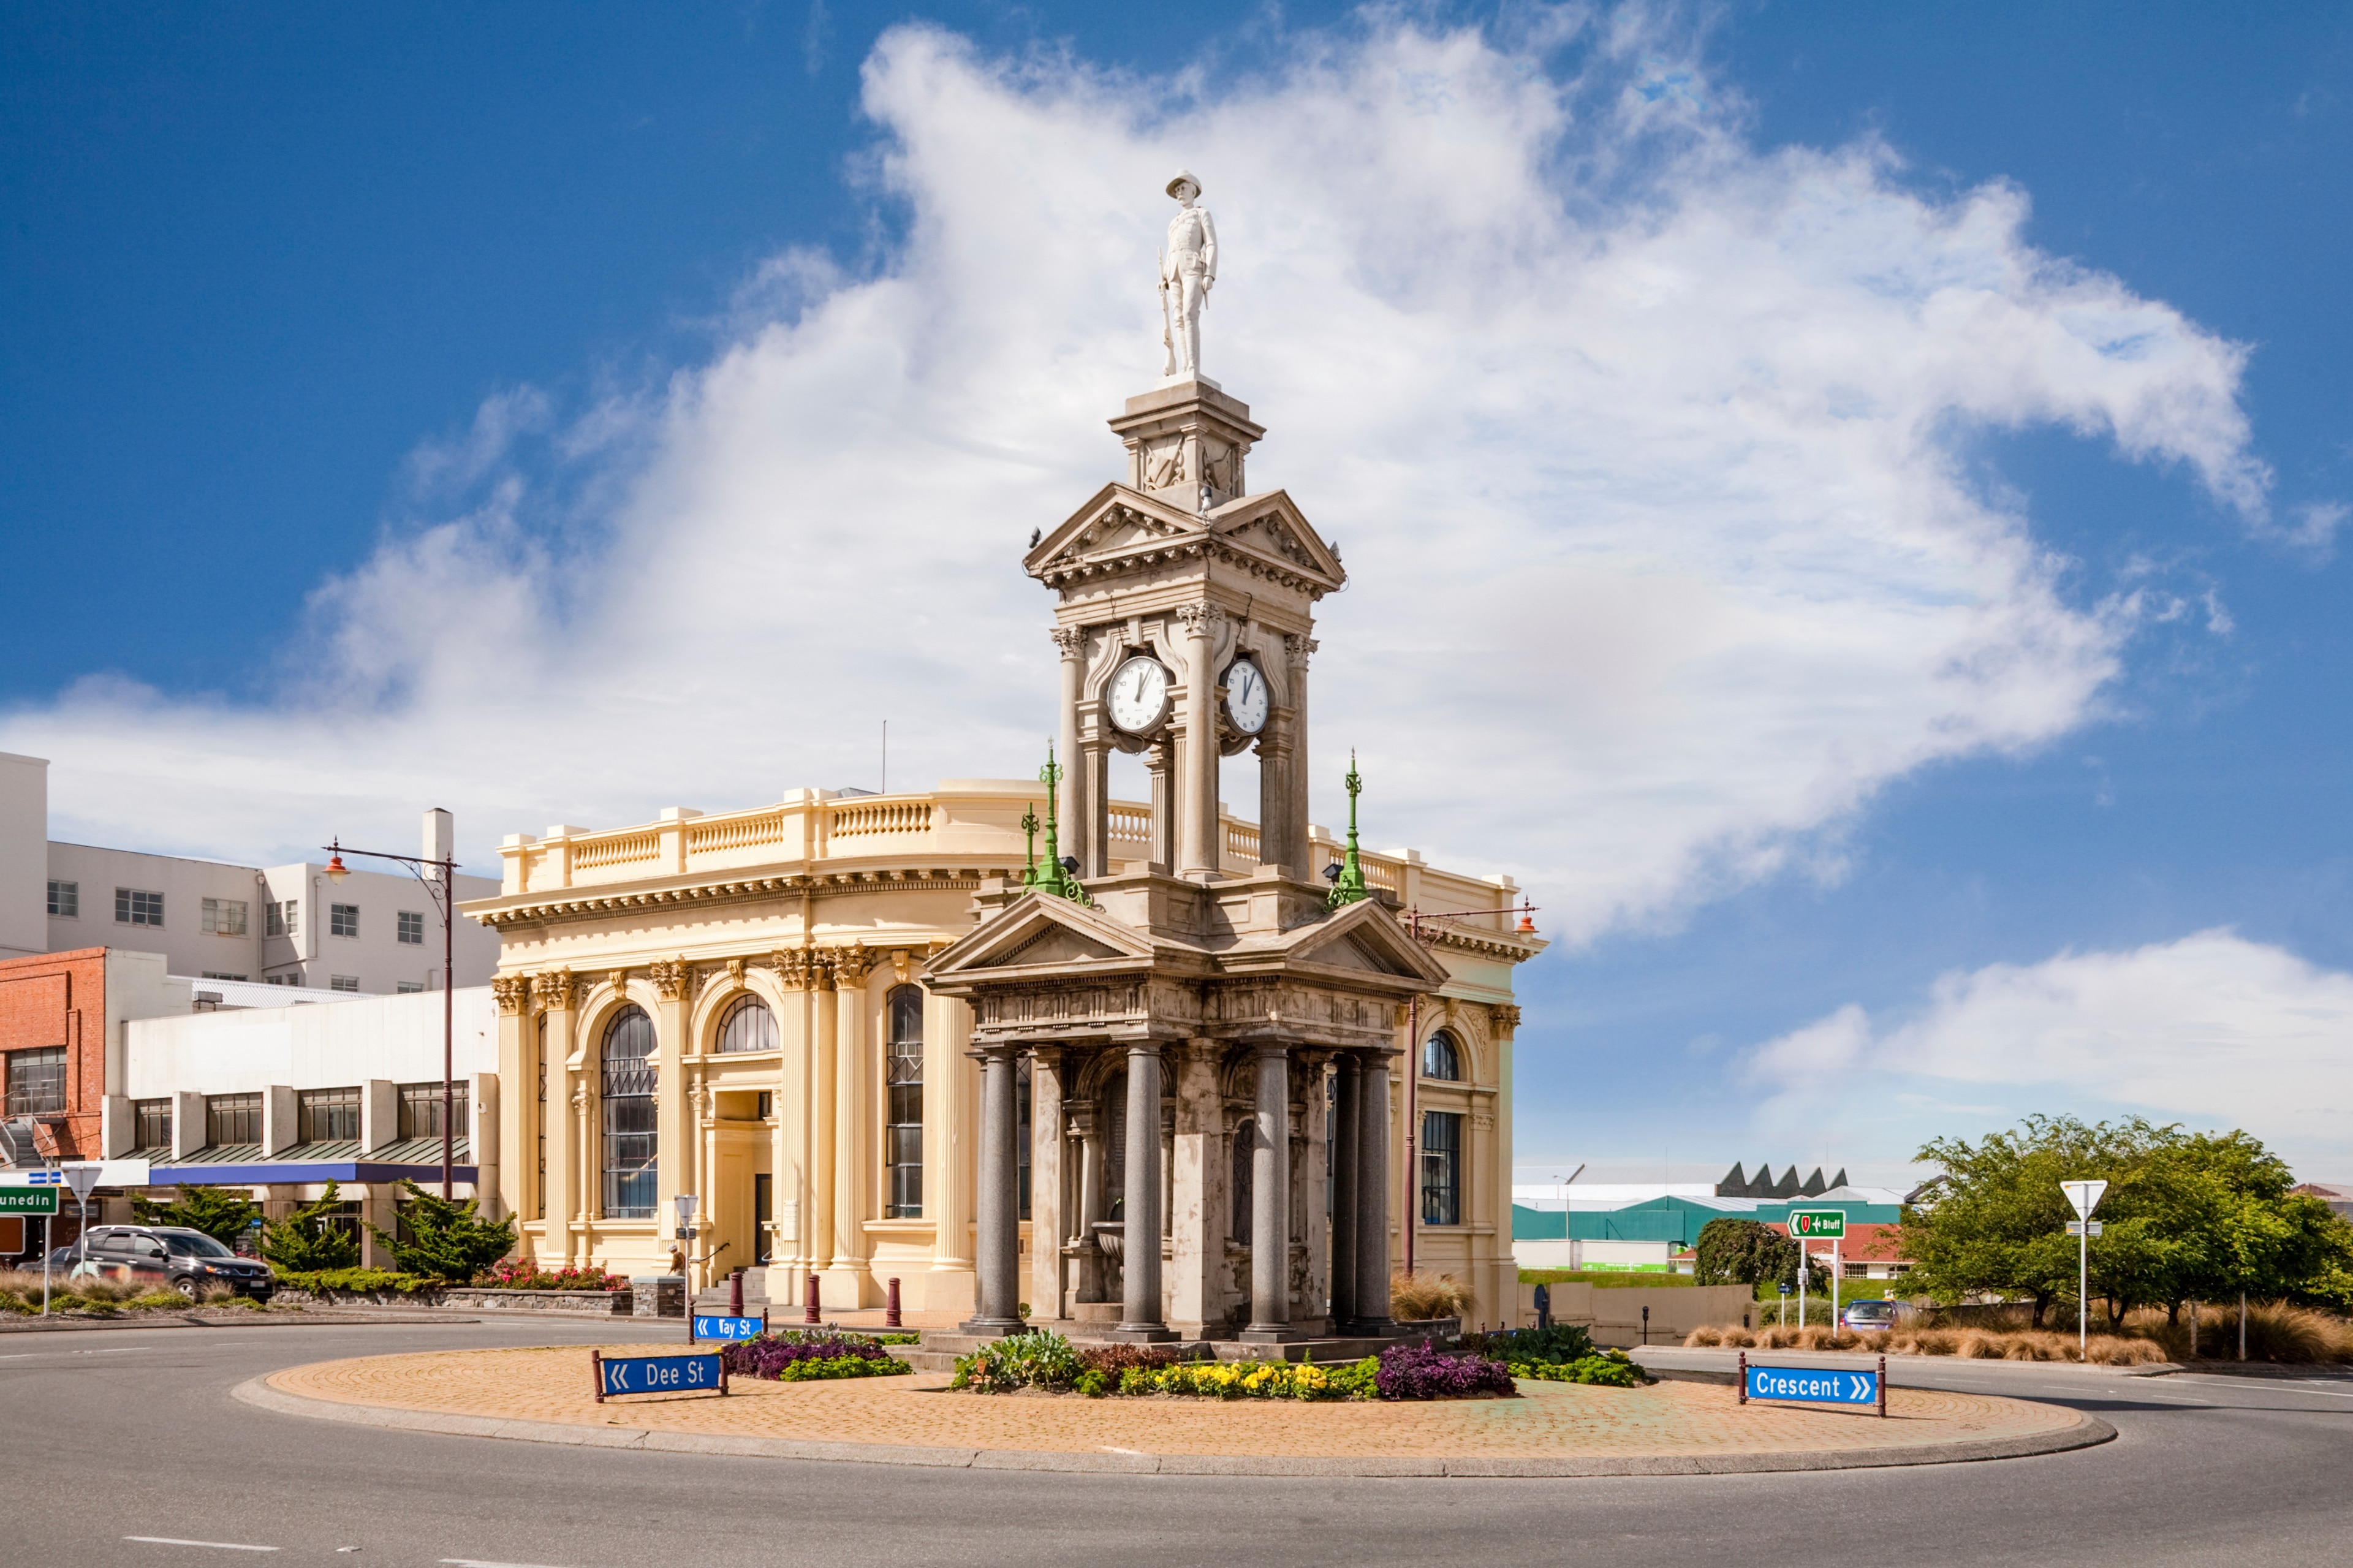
point(1418, 1371)
point(798, 1359)
point(1420, 1298)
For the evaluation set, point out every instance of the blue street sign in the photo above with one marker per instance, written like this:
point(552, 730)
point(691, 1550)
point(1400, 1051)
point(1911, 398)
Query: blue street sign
point(658, 1373)
point(1814, 1385)
point(726, 1328)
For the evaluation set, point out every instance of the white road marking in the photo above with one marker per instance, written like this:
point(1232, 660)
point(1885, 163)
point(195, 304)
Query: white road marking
point(1131, 1453)
point(485, 1563)
point(214, 1545)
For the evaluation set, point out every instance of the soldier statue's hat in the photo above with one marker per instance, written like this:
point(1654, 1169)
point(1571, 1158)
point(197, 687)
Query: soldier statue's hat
point(1182, 177)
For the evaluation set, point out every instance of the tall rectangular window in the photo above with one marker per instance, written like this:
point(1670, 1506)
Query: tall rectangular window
point(65, 899)
point(232, 1118)
point(328, 1115)
point(420, 1110)
point(36, 1081)
point(137, 906)
point(412, 928)
point(1441, 1168)
point(152, 1124)
point(282, 918)
point(342, 919)
point(903, 1067)
point(224, 917)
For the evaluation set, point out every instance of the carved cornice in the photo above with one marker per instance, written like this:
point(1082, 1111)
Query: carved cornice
point(511, 992)
point(584, 903)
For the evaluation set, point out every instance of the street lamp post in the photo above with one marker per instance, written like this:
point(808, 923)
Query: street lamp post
point(442, 888)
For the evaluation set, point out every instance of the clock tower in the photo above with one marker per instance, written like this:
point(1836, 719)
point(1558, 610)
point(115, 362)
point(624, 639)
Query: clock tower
point(1186, 618)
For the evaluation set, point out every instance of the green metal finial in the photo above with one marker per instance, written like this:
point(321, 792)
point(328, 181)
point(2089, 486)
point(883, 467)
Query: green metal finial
point(1053, 876)
point(1350, 888)
point(1030, 834)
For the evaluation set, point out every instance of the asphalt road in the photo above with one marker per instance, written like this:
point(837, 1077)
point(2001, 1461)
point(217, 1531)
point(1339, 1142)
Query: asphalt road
point(122, 1434)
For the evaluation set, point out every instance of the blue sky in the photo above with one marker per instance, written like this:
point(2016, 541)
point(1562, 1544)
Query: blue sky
point(343, 346)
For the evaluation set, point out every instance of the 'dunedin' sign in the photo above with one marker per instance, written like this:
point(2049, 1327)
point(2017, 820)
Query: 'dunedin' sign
point(28, 1200)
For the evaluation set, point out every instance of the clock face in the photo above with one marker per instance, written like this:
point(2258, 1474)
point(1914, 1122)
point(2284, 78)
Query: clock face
point(1246, 695)
point(1138, 698)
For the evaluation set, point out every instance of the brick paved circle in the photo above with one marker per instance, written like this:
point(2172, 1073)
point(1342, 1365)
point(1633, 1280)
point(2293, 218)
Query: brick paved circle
point(1554, 1429)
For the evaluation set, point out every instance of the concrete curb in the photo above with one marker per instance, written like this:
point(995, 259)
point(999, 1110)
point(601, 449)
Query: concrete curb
point(2085, 1433)
point(1862, 1360)
point(190, 1320)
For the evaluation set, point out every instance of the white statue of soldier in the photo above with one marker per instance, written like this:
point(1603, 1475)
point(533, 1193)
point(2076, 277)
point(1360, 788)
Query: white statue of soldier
point(1189, 266)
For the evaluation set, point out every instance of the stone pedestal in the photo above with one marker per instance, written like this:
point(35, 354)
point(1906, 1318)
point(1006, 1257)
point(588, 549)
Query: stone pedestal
point(657, 1295)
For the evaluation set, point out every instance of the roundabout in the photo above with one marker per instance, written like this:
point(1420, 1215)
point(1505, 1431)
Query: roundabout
point(1688, 1425)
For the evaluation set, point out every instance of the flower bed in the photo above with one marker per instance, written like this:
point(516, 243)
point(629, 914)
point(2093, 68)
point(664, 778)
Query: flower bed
point(516, 1274)
point(1564, 1353)
point(1046, 1360)
point(790, 1356)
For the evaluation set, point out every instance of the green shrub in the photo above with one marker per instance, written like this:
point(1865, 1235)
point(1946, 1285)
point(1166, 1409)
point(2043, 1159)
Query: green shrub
point(320, 1281)
point(222, 1212)
point(305, 1243)
point(1614, 1369)
point(1041, 1358)
point(447, 1239)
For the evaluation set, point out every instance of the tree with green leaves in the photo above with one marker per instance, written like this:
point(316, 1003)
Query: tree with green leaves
point(2187, 1216)
point(305, 1242)
point(447, 1239)
point(1748, 1252)
point(222, 1212)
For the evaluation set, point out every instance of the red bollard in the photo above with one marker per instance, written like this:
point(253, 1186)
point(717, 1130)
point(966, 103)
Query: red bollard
point(808, 1301)
point(735, 1294)
point(891, 1307)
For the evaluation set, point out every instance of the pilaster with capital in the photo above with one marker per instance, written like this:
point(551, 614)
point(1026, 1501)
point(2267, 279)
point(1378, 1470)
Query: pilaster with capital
point(551, 1043)
point(1197, 749)
point(1049, 1219)
point(517, 1038)
point(1297, 649)
point(676, 1140)
point(1073, 807)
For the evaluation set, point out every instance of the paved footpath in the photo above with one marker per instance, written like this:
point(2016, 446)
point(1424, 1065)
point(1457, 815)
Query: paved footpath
point(546, 1394)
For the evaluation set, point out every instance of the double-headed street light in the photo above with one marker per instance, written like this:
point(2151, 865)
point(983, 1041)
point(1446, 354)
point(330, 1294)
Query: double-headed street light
point(442, 888)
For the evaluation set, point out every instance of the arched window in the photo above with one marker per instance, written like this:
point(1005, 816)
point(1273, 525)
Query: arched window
point(629, 1097)
point(903, 1073)
point(1440, 1059)
point(748, 1026)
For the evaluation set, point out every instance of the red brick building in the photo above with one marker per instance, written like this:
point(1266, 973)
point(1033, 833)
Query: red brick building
point(53, 1039)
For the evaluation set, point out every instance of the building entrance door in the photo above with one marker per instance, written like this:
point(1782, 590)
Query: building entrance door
point(763, 1204)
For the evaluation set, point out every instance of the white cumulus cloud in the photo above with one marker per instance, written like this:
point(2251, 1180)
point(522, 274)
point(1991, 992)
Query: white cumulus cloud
point(2213, 1030)
point(1647, 447)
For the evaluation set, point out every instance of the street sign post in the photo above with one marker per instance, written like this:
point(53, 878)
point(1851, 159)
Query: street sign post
point(2085, 1197)
point(1848, 1386)
point(657, 1374)
point(1818, 1225)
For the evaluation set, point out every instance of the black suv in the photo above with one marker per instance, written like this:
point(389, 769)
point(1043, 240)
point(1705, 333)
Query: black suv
point(188, 1260)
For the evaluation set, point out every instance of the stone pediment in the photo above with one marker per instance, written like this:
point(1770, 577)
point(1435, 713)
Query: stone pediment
point(1040, 932)
point(1122, 531)
point(1365, 938)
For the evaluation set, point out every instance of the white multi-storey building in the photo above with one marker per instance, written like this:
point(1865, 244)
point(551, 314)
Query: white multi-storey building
point(372, 933)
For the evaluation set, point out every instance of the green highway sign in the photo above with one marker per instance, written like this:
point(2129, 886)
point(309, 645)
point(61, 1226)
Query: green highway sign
point(28, 1200)
point(1818, 1225)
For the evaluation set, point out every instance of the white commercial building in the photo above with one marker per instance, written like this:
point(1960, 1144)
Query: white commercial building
point(282, 1100)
